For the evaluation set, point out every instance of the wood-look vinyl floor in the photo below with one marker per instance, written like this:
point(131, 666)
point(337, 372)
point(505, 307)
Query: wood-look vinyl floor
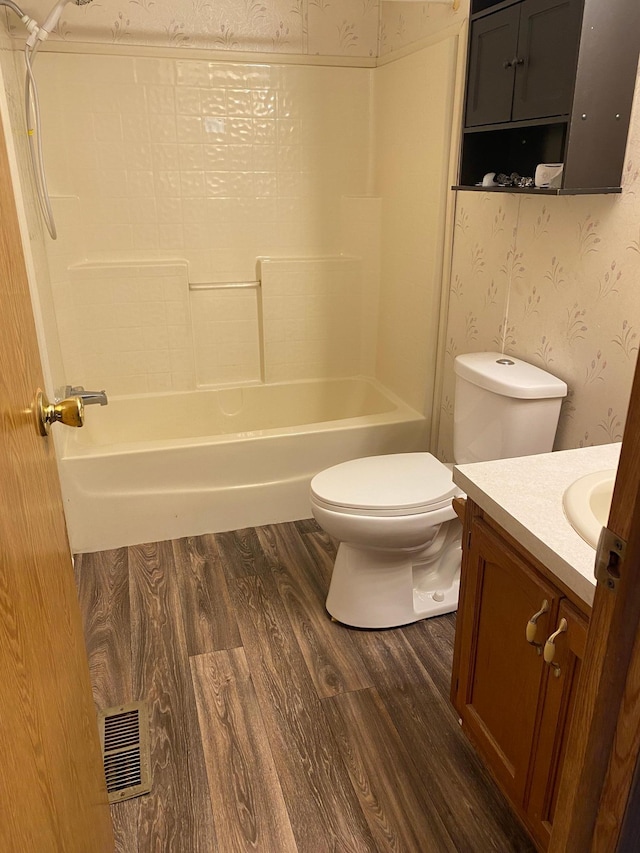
point(274, 729)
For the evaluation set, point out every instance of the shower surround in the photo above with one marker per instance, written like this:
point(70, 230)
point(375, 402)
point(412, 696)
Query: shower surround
point(209, 167)
point(236, 226)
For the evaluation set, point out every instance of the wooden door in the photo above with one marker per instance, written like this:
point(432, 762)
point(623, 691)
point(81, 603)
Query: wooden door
point(500, 673)
point(52, 790)
point(547, 55)
point(492, 47)
point(557, 707)
point(604, 744)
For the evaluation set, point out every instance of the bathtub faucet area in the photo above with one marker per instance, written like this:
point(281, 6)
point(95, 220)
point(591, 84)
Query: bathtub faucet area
point(89, 398)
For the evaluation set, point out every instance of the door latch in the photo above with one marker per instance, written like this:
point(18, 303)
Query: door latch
point(609, 559)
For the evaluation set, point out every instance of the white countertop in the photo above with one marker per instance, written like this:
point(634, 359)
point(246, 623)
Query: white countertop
point(524, 496)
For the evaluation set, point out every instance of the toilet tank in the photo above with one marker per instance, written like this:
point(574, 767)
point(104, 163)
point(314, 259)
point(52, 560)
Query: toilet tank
point(503, 407)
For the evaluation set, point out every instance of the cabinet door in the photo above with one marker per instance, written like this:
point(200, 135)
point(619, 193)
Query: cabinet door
point(559, 691)
point(500, 674)
point(547, 56)
point(493, 45)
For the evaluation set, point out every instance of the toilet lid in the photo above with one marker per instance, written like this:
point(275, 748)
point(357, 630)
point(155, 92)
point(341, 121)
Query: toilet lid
point(397, 484)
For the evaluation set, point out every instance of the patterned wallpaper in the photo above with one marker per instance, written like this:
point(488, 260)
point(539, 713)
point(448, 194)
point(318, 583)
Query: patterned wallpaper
point(357, 28)
point(324, 27)
point(402, 23)
point(555, 281)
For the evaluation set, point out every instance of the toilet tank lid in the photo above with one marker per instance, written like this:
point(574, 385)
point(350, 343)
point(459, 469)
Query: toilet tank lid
point(508, 376)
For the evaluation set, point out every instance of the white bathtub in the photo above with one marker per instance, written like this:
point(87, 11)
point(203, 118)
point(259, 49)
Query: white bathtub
point(162, 466)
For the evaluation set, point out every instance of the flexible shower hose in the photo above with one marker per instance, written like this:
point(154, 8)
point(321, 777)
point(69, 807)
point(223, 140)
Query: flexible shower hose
point(32, 117)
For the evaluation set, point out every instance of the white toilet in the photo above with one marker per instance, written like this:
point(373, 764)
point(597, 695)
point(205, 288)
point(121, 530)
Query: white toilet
point(399, 555)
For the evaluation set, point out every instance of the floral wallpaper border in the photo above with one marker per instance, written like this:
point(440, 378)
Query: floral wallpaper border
point(320, 27)
point(355, 28)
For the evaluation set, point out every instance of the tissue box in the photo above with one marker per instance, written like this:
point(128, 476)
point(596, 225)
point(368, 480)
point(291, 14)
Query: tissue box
point(549, 175)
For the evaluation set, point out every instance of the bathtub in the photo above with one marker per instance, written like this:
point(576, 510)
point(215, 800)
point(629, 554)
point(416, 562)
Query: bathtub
point(162, 466)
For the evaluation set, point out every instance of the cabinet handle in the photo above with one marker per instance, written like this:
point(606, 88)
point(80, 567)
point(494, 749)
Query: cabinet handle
point(550, 647)
point(511, 63)
point(532, 626)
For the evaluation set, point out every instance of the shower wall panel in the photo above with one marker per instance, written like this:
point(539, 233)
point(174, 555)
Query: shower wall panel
point(219, 163)
point(312, 318)
point(127, 327)
point(206, 163)
point(226, 336)
point(413, 125)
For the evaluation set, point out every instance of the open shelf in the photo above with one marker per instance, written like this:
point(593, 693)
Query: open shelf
point(538, 190)
point(511, 149)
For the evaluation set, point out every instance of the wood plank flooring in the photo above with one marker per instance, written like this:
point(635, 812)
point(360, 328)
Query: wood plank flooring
point(274, 729)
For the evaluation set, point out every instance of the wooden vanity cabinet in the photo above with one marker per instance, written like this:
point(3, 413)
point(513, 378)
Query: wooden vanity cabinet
point(515, 708)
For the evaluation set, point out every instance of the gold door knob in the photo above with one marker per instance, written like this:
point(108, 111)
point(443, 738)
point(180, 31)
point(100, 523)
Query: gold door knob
point(69, 411)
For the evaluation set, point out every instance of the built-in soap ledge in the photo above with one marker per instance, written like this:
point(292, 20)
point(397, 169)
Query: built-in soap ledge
point(224, 285)
point(109, 269)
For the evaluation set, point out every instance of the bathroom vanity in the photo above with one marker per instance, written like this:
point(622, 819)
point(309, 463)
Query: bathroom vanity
point(525, 600)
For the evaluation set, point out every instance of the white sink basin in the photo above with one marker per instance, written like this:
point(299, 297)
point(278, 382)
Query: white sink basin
point(587, 503)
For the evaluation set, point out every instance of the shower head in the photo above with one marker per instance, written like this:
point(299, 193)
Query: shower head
point(54, 15)
point(52, 19)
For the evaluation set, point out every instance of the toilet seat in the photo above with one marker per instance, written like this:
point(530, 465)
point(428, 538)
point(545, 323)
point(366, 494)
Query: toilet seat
point(398, 484)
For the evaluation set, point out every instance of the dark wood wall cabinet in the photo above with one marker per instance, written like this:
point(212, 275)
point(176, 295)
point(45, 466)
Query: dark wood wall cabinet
point(520, 640)
point(549, 81)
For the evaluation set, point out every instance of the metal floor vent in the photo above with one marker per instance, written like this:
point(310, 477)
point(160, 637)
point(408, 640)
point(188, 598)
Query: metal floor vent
point(124, 736)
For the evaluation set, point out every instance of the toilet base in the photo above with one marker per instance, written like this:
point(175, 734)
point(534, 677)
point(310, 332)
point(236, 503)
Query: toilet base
point(374, 588)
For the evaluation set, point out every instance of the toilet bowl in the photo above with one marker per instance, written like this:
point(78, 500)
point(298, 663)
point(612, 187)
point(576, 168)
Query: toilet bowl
point(399, 551)
point(399, 555)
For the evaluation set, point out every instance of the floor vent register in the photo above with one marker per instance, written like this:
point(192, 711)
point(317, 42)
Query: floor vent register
point(124, 736)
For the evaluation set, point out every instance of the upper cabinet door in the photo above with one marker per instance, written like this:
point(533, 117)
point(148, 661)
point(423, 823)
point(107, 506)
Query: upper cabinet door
point(494, 42)
point(547, 56)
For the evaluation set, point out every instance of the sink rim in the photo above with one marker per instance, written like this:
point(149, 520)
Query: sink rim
point(577, 503)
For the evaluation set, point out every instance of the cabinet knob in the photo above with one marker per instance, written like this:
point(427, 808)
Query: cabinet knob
point(532, 626)
point(550, 647)
point(511, 63)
